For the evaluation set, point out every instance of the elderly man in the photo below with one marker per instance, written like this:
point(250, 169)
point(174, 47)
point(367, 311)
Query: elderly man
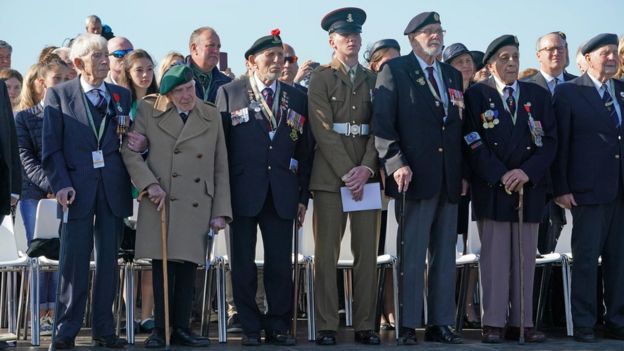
point(204, 47)
point(93, 24)
point(588, 177)
point(340, 114)
point(510, 137)
point(118, 48)
point(6, 50)
point(185, 172)
point(552, 54)
point(417, 123)
point(581, 62)
point(269, 149)
point(84, 167)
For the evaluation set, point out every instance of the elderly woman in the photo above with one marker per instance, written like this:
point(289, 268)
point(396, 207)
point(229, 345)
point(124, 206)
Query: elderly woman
point(186, 172)
point(380, 52)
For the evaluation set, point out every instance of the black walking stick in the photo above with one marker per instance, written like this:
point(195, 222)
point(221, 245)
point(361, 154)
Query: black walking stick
point(293, 328)
point(398, 319)
point(521, 256)
point(205, 320)
point(62, 240)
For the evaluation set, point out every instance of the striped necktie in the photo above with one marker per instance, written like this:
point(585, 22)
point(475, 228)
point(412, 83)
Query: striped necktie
point(608, 101)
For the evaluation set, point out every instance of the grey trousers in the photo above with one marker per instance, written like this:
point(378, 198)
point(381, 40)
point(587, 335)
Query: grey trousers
point(499, 265)
point(430, 226)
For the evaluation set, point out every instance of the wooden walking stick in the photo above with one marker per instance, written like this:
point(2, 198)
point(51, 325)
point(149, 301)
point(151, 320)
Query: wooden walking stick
point(61, 264)
point(163, 242)
point(398, 319)
point(521, 256)
point(293, 328)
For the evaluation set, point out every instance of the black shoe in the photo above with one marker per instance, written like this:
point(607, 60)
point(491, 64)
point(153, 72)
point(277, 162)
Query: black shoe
point(3, 345)
point(491, 335)
point(156, 340)
point(530, 334)
point(250, 340)
point(326, 337)
point(387, 326)
point(110, 341)
point(443, 334)
point(62, 343)
point(615, 333)
point(234, 325)
point(584, 335)
point(277, 337)
point(407, 336)
point(367, 337)
point(185, 337)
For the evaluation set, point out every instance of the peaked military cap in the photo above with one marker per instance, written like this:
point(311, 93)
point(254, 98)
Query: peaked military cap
point(175, 76)
point(344, 20)
point(599, 41)
point(496, 44)
point(266, 42)
point(453, 51)
point(381, 44)
point(421, 20)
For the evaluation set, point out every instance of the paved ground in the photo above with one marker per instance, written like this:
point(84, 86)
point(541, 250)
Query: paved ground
point(557, 341)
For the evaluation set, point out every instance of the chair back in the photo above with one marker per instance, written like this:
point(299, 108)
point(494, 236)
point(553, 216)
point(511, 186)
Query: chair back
point(19, 231)
point(564, 244)
point(306, 239)
point(8, 248)
point(47, 224)
point(392, 230)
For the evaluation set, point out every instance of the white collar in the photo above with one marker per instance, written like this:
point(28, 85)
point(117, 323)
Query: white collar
point(597, 83)
point(549, 78)
point(86, 87)
point(261, 85)
point(500, 85)
point(424, 64)
point(188, 113)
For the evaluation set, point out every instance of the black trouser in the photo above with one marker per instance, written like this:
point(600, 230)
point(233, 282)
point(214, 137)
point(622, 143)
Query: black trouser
point(277, 238)
point(181, 277)
point(598, 231)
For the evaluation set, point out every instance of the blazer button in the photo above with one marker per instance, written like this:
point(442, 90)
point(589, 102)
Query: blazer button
point(354, 93)
point(528, 148)
point(195, 204)
point(440, 149)
point(199, 155)
point(617, 156)
point(270, 147)
point(174, 174)
point(495, 144)
point(619, 137)
point(173, 198)
point(443, 128)
point(176, 151)
point(269, 168)
point(353, 107)
point(197, 180)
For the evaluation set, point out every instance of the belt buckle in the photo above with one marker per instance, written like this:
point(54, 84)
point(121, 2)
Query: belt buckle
point(353, 129)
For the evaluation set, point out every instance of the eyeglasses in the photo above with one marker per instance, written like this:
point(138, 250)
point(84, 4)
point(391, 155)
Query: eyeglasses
point(552, 49)
point(430, 32)
point(120, 53)
point(290, 59)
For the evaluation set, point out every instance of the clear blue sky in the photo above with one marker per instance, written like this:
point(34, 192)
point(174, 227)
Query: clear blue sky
point(160, 26)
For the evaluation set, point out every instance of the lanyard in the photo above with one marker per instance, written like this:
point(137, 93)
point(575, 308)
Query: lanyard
point(516, 95)
point(268, 112)
point(434, 93)
point(102, 128)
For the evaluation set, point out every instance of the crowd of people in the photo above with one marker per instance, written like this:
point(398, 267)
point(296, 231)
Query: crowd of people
point(439, 129)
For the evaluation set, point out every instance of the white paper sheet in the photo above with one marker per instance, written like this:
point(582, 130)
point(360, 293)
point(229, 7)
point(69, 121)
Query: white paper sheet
point(371, 199)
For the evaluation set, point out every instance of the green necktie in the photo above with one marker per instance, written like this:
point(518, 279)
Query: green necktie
point(352, 75)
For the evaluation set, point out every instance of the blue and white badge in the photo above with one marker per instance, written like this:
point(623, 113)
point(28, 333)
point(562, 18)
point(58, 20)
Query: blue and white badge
point(294, 165)
point(472, 138)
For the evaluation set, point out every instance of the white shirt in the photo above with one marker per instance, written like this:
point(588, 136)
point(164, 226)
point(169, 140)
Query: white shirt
point(261, 85)
point(500, 86)
point(550, 80)
point(438, 77)
point(609, 84)
point(87, 88)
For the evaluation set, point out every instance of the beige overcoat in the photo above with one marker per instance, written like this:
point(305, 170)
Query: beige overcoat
point(189, 161)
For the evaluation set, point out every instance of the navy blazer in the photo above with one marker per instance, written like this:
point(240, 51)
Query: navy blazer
point(494, 151)
point(589, 158)
point(68, 143)
point(10, 165)
point(258, 163)
point(538, 78)
point(409, 129)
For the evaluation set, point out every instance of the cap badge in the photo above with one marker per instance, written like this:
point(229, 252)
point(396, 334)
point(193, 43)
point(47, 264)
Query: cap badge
point(436, 17)
point(349, 18)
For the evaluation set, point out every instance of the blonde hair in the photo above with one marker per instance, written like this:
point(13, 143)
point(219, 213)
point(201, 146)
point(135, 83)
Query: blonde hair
point(167, 62)
point(620, 72)
point(29, 96)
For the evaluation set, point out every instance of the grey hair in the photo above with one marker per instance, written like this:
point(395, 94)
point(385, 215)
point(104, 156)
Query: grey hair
point(87, 43)
point(560, 34)
point(92, 19)
point(194, 39)
point(5, 45)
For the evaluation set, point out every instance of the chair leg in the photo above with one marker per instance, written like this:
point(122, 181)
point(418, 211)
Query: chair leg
point(118, 301)
point(221, 309)
point(381, 278)
point(348, 296)
point(395, 290)
point(543, 293)
point(20, 303)
point(565, 272)
point(3, 309)
point(11, 302)
point(207, 300)
point(34, 302)
point(310, 300)
point(461, 297)
point(129, 292)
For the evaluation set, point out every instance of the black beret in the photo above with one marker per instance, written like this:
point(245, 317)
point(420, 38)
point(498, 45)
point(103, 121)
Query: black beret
point(599, 41)
point(421, 20)
point(175, 76)
point(453, 51)
point(477, 57)
point(344, 20)
point(496, 44)
point(381, 44)
point(268, 41)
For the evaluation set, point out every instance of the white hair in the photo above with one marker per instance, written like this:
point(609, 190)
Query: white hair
point(86, 43)
point(92, 19)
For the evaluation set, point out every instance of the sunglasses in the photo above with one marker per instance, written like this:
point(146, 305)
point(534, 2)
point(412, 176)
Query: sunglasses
point(290, 59)
point(120, 53)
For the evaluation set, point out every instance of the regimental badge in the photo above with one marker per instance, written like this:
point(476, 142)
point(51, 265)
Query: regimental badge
point(349, 18)
point(436, 17)
point(421, 81)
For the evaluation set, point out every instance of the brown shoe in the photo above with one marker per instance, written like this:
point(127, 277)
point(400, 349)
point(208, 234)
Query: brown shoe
point(530, 334)
point(491, 335)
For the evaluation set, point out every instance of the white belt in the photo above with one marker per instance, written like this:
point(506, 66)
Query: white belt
point(349, 129)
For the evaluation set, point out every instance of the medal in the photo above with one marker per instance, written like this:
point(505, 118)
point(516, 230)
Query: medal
point(491, 124)
point(254, 105)
point(421, 81)
point(294, 135)
point(495, 121)
point(489, 114)
point(486, 125)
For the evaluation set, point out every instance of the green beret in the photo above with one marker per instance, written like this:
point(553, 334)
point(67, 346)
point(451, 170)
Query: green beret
point(175, 76)
point(599, 41)
point(496, 44)
point(344, 21)
point(266, 42)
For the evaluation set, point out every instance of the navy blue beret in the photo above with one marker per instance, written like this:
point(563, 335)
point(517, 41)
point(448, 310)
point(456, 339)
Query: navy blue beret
point(344, 20)
point(381, 44)
point(477, 57)
point(496, 44)
point(452, 51)
point(421, 20)
point(268, 41)
point(599, 41)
